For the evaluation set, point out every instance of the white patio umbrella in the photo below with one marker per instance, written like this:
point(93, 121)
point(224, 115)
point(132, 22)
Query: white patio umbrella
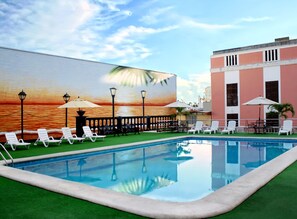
point(79, 103)
point(177, 104)
point(259, 101)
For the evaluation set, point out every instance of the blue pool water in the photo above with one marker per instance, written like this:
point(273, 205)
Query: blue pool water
point(175, 170)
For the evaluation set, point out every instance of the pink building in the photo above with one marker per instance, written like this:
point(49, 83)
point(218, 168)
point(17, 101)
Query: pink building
point(241, 74)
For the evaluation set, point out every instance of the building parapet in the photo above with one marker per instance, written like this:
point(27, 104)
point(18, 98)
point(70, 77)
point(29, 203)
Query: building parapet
point(278, 42)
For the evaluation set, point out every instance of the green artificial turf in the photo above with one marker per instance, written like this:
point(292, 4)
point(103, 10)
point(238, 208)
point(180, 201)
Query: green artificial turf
point(277, 199)
point(27, 202)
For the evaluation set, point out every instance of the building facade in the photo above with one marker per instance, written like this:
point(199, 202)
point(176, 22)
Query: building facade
point(241, 74)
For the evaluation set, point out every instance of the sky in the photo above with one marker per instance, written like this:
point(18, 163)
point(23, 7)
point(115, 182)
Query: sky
point(173, 36)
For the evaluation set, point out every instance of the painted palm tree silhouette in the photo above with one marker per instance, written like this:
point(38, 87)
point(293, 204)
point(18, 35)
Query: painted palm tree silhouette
point(131, 77)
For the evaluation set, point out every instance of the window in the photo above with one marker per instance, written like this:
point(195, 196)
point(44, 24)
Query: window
point(231, 60)
point(272, 94)
point(271, 55)
point(232, 97)
point(272, 90)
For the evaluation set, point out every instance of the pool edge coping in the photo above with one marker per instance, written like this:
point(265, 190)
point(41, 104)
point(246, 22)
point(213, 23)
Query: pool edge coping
point(216, 203)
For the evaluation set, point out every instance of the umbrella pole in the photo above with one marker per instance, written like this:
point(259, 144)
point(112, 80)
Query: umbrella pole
point(259, 113)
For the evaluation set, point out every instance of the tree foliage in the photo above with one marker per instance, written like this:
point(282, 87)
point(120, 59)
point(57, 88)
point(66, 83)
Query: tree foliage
point(282, 109)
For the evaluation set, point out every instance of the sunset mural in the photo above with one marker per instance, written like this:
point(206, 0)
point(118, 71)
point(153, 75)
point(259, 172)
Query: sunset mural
point(46, 78)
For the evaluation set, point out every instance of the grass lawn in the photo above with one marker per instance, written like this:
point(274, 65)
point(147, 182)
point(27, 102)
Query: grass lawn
point(277, 199)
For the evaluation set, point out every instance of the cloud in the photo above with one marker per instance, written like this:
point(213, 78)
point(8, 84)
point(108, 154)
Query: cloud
point(64, 28)
point(44, 24)
point(125, 46)
point(124, 53)
point(154, 15)
point(193, 87)
point(189, 22)
point(159, 15)
point(128, 34)
point(113, 4)
point(84, 29)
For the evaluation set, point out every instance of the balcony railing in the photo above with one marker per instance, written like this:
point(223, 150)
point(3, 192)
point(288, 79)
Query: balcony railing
point(106, 125)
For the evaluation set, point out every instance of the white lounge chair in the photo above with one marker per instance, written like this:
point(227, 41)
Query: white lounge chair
point(213, 128)
point(14, 142)
point(230, 129)
point(197, 128)
point(286, 128)
point(45, 139)
point(90, 135)
point(71, 138)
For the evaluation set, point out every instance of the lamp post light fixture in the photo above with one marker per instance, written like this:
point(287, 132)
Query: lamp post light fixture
point(66, 98)
point(143, 94)
point(22, 95)
point(113, 91)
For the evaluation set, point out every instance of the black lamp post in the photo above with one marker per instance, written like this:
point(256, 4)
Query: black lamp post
point(113, 91)
point(143, 93)
point(66, 98)
point(22, 95)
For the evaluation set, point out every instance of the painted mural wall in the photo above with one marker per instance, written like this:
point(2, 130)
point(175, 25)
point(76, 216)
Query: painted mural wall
point(46, 78)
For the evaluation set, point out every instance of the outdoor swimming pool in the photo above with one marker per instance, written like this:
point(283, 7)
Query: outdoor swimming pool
point(180, 170)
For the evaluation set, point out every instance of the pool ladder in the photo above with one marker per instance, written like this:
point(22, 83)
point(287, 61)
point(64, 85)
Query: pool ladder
point(6, 161)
